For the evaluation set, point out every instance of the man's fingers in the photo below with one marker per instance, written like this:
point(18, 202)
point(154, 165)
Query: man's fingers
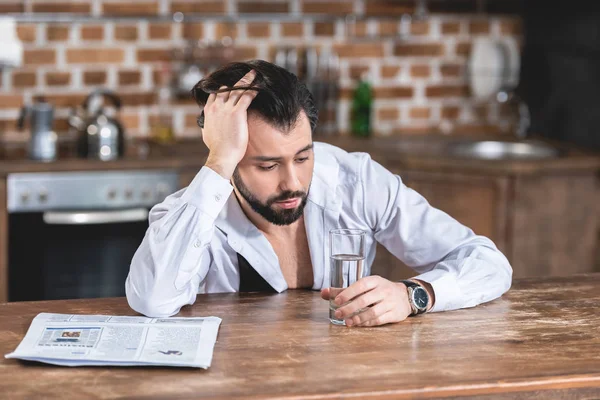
point(246, 98)
point(382, 319)
point(211, 99)
point(247, 79)
point(325, 294)
point(359, 303)
point(223, 96)
point(357, 288)
point(369, 314)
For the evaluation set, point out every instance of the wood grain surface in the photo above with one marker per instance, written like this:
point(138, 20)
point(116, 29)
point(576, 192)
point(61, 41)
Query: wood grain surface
point(540, 341)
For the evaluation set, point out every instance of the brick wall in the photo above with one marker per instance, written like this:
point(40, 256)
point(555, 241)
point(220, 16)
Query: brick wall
point(420, 81)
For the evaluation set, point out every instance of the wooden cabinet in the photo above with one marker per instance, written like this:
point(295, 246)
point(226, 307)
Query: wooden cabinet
point(546, 225)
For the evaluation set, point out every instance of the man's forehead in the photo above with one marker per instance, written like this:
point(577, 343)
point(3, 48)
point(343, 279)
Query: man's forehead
point(267, 140)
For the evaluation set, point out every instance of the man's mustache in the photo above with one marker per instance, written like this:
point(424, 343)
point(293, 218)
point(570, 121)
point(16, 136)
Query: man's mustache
point(288, 195)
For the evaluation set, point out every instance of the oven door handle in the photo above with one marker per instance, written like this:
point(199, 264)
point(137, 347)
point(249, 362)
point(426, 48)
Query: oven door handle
point(95, 217)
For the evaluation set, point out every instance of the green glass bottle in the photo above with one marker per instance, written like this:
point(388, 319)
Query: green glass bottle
point(362, 103)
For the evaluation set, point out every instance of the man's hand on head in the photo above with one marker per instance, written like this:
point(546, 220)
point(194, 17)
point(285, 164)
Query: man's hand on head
point(225, 131)
point(381, 300)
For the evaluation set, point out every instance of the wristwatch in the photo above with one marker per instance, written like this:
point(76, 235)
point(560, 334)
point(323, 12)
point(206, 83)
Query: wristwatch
point(418, 298)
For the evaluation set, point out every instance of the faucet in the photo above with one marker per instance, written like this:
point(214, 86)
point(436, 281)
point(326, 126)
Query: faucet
point(509, 95)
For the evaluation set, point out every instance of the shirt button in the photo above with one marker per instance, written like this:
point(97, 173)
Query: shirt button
point(217, 197)
point(197, 243)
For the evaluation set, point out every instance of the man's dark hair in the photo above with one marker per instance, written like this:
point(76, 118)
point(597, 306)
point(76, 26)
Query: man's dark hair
point(281, 95)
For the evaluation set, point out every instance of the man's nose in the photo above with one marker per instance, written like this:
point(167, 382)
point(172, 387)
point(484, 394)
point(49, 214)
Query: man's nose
point(289, 180)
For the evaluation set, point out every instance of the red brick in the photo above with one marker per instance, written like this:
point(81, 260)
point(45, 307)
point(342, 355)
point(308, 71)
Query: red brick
point(387, 7)
point(198, 7)
point(258, 29)
point(126, 32)
point(129, 78)
point(100, 55)
point(8, 6)
point(420, 71)
point(463, 49)
point(193, 31)
point(58, 78)
point(451, 70)
point(223, 29)
point(390, 71)
point(66, 100)
point(324, 29)
point(292, 29)
point(419, 50)
point(262, 7)
point(62, 7)
point(92, 32)
point(11, 101)
point(449, 28)
point(330, 7)
point(130, 9)
point(446, 91)
point(388, 114)
point(393, 92)
point(26, 33)
point(153, 55)
point(479, 27)
point(356, 71)
point(420, 113)
point(159, 31)
point(138, 99)
point(39, 57)
point(511, 27)
point(94, 77)
point(56, 33)
point(359, 50)
point(450, 112)
point(387, 28)
point(418, 28)
point(24, 79)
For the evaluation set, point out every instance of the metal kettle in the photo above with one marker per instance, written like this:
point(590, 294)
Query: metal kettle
point(101, 136)
point(42, 144)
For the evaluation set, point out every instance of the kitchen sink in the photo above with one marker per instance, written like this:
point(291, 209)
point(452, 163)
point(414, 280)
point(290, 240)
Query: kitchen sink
point(468, 148)
point(502, 150)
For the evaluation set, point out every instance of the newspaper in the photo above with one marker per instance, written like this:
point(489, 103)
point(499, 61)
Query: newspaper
point(77, 340)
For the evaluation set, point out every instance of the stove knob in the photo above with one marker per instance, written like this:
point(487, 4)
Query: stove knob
point(24, 197)
point(128, 193)
point(43, 196)
point(112, 194)
point(146, 193)
point(162, 190)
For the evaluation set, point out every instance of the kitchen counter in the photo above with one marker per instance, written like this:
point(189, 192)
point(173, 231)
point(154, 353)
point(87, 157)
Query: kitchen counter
point(398, 152)
point(540, 340)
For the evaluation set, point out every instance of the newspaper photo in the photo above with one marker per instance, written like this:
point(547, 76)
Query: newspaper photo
point(78, 340)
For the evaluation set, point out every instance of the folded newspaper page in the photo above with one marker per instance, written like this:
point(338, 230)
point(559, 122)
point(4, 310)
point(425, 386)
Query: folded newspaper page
point(77, 340)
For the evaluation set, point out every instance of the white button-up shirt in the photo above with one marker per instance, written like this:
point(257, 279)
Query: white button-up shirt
point(194, 237)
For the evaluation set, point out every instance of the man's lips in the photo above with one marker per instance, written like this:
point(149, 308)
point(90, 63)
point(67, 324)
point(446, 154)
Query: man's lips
point(291, 203)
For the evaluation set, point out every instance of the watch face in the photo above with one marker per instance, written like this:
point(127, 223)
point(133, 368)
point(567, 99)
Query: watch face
point(420, 298)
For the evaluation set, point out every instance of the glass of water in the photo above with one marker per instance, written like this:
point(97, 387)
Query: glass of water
point(347, 255)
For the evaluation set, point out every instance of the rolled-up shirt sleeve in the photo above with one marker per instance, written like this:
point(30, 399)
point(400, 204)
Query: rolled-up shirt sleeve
point(173, 258)
point(464, 269)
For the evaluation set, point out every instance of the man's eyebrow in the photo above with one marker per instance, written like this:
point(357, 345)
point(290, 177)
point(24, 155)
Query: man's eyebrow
point(267, 158)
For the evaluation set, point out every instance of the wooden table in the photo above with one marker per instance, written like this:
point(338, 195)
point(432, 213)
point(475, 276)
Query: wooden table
point(541, 340)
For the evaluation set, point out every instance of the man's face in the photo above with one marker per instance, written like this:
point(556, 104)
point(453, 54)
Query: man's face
point(275, 174)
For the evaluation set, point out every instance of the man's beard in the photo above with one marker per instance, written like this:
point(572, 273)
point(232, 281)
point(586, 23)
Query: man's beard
point(277, 217)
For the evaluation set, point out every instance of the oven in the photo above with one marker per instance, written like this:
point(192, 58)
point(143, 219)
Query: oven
point(72, 235)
